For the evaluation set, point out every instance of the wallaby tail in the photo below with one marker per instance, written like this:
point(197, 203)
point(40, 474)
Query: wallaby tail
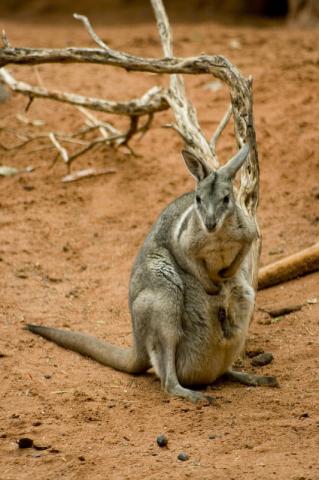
point(123, 359)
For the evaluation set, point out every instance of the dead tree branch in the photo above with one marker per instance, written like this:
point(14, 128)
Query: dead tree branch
point(186, 119)
point(158, 99)
point(220, 129)
point(301, 263)
point(154, 100)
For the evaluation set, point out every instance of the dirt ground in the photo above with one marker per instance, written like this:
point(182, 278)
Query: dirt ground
point(66, 253)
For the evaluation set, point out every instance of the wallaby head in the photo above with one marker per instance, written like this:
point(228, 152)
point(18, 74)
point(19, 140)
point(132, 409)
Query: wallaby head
point(214, 194)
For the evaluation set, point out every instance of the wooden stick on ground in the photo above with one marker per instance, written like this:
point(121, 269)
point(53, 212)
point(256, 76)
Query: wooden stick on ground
point(301, 263)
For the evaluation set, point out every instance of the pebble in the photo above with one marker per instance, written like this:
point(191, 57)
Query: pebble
point(162, 441)
point(37, 423)
point(28, 188)
point(262, 359)
point(182, 457)
point(25, 442)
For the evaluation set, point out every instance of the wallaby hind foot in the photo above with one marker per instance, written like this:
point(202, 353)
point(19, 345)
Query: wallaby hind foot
point(251, 379)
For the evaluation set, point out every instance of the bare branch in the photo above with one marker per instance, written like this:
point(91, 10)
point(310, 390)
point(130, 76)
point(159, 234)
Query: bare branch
point(105, 128)
point(92, 144)
point(91, 31)
point(86, 173)
point(62, 151)
point(185, 114)
point(154, 100)
point(220, 128)
point(5, 41)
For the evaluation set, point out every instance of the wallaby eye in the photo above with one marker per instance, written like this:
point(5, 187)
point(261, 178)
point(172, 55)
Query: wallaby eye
point(226, 199)
point(198, 199)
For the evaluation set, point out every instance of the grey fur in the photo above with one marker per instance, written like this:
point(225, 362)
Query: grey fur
point(190, 297)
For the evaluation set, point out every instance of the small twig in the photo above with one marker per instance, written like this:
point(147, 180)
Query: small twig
point(88, 172)
point(133, 128)
point(38, 76)
point(62, 151)
point(177, 129)
point(90, 30)
point(219, 130)
point(104, 127)
point(20, 145)
point(282, 311)
point(68, 139)
point(31, 98)
point(95, 142)
point(147, 125)
point(5, 41)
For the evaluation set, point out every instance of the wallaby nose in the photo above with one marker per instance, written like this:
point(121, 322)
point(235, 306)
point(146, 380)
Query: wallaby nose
point(210, 225)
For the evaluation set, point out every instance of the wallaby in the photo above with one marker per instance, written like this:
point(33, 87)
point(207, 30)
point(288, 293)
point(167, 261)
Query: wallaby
point(190, 296)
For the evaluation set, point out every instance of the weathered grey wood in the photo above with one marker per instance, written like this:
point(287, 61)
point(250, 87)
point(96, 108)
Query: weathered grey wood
point(186, 120)
point(154, 100)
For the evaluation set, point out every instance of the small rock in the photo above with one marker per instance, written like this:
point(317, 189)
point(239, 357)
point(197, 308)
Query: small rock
point(21, 274)
point(182, 457)
point(304, 415)
point(47, 376)
point(41, 447)
point(262, 359)
point(28, 188)
point(37, 423)
point(254, 352)
point(162, 441)
point(82, 458)
point(25, 442)
point(312, 301)
point(235, 44)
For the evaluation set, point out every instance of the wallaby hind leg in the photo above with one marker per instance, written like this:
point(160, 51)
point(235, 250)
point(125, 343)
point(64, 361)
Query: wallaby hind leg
point(165, 333)
point(251, 379)
point(164, 361)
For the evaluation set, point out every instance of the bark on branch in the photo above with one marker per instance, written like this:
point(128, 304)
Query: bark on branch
point(296, 265)
point(154, 100)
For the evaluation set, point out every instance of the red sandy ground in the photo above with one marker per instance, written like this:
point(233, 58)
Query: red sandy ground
point(66, 253)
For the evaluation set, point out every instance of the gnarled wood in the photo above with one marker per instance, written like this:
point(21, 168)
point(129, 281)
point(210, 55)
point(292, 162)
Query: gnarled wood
point(296, 265)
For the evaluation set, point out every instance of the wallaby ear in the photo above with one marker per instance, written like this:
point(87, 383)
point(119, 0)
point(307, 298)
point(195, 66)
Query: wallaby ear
point(197, 167)
point(234, 164)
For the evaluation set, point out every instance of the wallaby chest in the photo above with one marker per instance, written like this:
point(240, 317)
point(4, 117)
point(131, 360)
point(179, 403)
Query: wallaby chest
point(218, 254)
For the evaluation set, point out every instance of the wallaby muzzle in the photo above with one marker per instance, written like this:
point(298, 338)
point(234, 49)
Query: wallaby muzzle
point(210, 224)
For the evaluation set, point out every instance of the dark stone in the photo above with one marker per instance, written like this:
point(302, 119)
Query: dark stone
point(262, 359)
point(162, 441)
point(25, 442)
point(183, 457)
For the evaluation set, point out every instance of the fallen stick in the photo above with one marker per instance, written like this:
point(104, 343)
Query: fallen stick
point(301, 263)
point(282, 311)
point(88, 172)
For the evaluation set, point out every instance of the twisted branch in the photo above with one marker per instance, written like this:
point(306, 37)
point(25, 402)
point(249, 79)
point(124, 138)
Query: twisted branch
point(154, 100)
